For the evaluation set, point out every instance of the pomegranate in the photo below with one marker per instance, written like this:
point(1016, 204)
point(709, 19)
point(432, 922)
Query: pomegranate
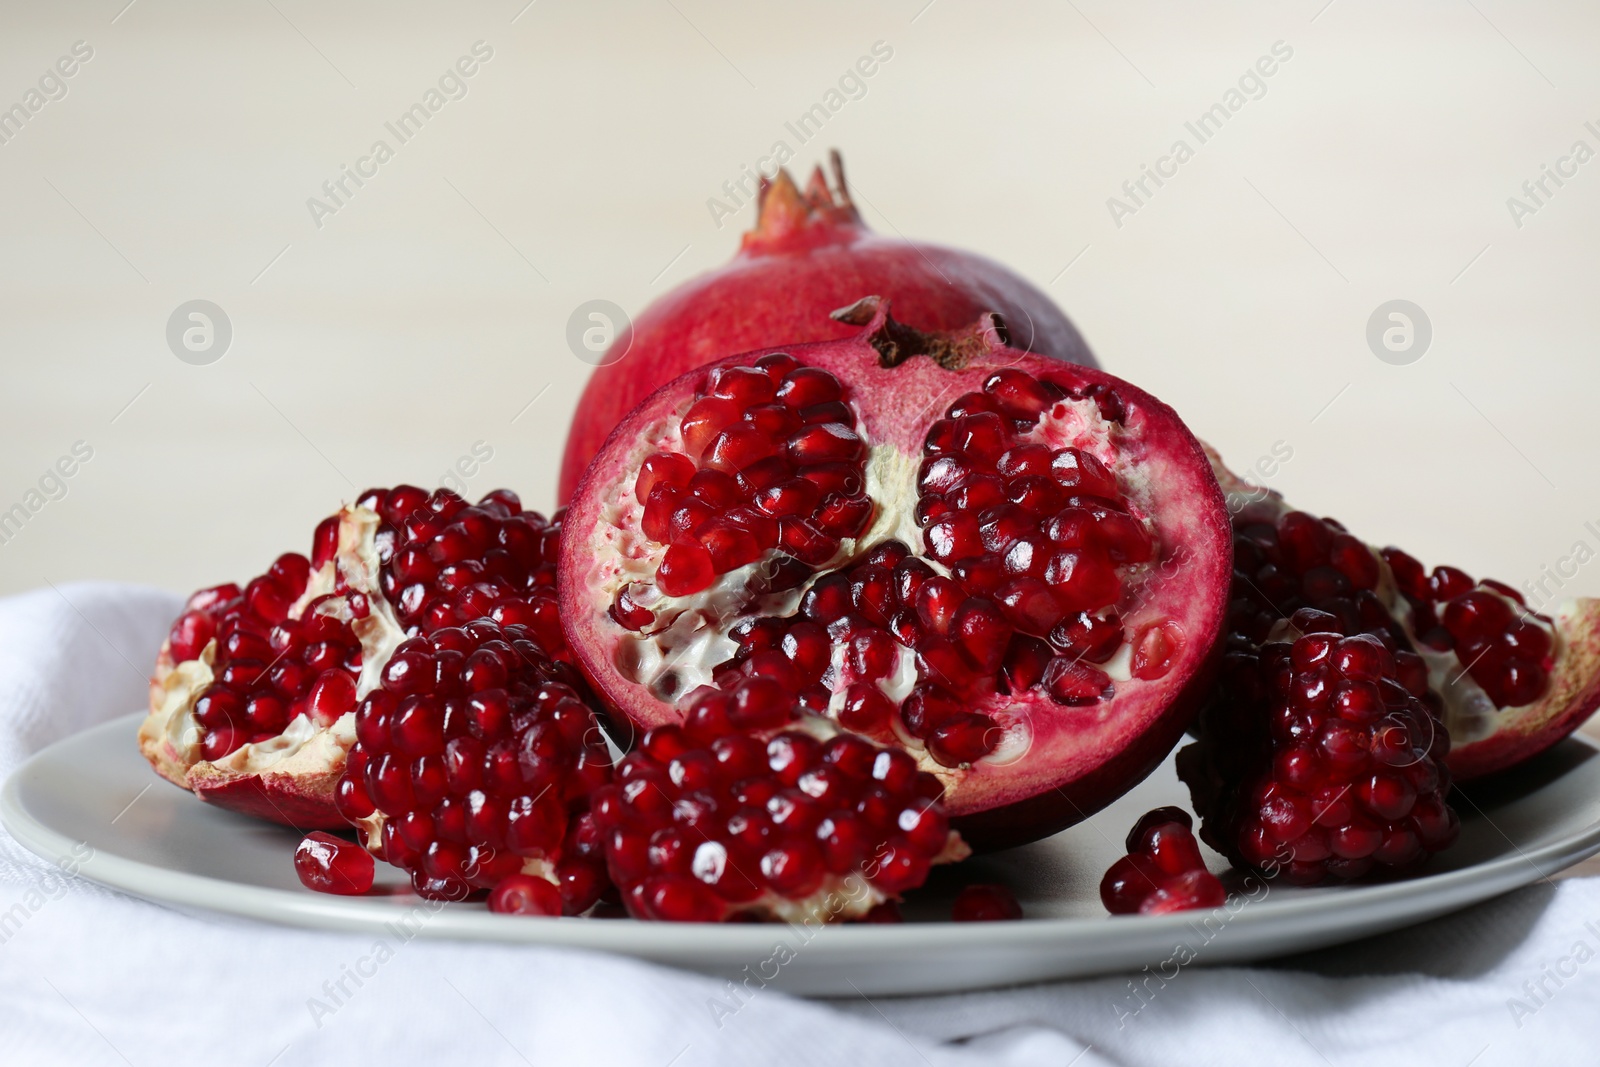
point(808, 254)
point(1510, 681)
point(1013, 568)
point(251, 699)
point(1163, 871)
point(756, 810)
point(473, 763)
point(1321, 757)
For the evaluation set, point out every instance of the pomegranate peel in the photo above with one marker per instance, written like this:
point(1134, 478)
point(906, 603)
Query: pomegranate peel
point(808, 254)
point(1509, 682)
point(1011, 567)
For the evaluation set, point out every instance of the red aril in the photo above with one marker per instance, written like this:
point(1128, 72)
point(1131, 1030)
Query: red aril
point(808, 254)
point(252, 695)
point(331, 864)
point(985, 903)
point(1509, 681)
point(1038, 658)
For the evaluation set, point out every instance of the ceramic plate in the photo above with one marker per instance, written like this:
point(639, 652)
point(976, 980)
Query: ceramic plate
point(92, 800)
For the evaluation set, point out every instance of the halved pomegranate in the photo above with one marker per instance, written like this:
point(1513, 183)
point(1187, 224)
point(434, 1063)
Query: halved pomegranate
point(1012, 567)
point(808, 254)
point(251, 699)
point(1510, 682)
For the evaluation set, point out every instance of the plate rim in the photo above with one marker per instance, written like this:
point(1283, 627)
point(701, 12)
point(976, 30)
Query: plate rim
point(1400, 902)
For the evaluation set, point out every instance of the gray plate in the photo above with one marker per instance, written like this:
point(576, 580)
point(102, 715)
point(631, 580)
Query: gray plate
point(92, 796)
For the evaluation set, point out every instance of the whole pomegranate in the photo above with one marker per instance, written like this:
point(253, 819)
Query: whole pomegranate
point(1508, 682)
point(808, 255)
point(1012, 568)
point(253, 692)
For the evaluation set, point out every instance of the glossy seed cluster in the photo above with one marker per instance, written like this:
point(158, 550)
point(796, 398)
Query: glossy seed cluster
point(1504, 647)
point(739, 810)
point(445, 562)
point(1163, 871)
point(1286, 562)
point(1322, 759)
point(476, 756)
point(771, 461)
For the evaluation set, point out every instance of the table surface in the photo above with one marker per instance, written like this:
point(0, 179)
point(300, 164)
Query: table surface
point(422, 314)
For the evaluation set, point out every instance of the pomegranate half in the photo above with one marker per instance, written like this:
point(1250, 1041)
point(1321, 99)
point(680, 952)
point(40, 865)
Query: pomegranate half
point(1509, 681)
point(808, 254)
point(1013, 568)
point(253, 693)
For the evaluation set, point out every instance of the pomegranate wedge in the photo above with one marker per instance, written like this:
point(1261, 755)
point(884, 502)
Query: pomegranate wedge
point(1510, 681)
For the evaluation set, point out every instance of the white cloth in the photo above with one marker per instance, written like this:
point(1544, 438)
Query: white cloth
point(97, 977)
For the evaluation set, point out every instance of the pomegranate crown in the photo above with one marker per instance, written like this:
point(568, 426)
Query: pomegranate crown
point(786, 215)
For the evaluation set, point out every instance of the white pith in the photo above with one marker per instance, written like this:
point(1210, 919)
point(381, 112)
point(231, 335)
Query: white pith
point(1469, 715)
point(679, 651)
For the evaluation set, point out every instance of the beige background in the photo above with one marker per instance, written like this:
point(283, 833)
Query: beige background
point(424, 315)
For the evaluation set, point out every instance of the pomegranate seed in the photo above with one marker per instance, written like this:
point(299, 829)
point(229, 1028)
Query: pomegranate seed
point(807, 386)
point(985, 903)
point(330, 864)
point(523, 894)
point(685, 570)
point(704, 420)
point(1079, 472)
point(1156, 649)
point(746, 385)
point(1074, 683)
point(829, 442)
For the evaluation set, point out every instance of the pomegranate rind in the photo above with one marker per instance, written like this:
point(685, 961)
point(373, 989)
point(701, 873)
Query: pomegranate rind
point(808, 254)
point(1067, 773)
point(1518, 733)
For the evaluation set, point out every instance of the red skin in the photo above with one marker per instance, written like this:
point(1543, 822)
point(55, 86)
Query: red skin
point(1068, 777)
point(806, 257)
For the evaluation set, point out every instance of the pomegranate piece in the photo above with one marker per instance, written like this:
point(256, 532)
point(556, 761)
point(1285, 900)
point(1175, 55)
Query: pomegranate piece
point(742, 811)
point(1507, 681)
point(252, 691)
point(331, 864)
point(985, 903)
point(474, 762)
point(1316, 762)
point(1163, 870)
point(808, 254)
point(1012, 568)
